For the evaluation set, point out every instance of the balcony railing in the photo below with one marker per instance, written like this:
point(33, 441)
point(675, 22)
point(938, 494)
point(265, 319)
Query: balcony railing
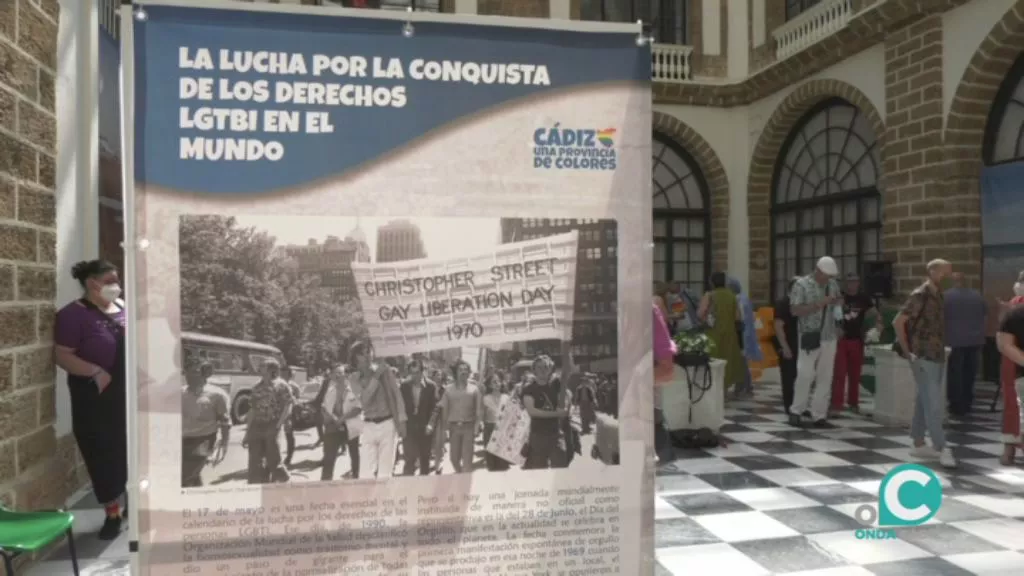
point(817, 23)
point(670, 63)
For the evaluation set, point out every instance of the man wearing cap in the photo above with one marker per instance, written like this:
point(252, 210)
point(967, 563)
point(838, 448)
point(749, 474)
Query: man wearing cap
point(850, 349)
point(815, 301)
point(270, 404)
point(921, 332)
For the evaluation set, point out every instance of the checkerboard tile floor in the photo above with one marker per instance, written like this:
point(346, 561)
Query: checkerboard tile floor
point(780, 501)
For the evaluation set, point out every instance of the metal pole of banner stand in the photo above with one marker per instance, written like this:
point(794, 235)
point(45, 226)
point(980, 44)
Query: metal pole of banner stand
point(131, 244)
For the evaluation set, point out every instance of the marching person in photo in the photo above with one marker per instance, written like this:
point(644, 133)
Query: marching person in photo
point(920, 331)
point(89, 338)
point(850, 348)
point(289, 430)
point(966, 313)
point(547, 402)
point(420, 396)
point(586, 399)
point(494, 397)
point(383, 411)
point(816, 302)
point(786, 344)
point(720, 311)
point(1010, 340)
point(462, 415)
point(270, 405)
point(343, 424)
point(204, 413)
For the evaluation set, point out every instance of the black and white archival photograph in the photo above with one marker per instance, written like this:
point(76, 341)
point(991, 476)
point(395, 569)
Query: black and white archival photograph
point(319, 349)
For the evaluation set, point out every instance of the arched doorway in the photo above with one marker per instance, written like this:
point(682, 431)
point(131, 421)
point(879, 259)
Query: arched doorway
point(1002, 190)
point(682, 217)
point(825, 198)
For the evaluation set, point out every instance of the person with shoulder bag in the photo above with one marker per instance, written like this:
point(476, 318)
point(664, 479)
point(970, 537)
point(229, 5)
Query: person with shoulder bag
point(920, 338)
point(815, 302)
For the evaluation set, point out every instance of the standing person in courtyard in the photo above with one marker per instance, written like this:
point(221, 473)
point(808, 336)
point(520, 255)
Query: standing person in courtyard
point(204, 413)
point(965, 334)
point(1013, 409)
point(786, 344)
point(748, 337)
point(815, 301)
point(720, 310)
point(462, 415)
point(270, 405)
point(920, 330)
point(89, 338)
point(664, 350)
point(850, 348)
point(384, 415)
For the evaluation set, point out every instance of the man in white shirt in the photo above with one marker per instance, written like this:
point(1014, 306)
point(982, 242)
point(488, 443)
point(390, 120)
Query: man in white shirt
point(816, 302)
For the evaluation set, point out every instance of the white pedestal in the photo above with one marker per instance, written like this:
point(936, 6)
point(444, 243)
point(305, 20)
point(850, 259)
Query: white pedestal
point(895, 389)
point(708, 406)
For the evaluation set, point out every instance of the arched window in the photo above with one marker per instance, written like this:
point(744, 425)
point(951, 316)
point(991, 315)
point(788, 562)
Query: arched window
point(825, 194)
point(1004, 134)
point(682, 231)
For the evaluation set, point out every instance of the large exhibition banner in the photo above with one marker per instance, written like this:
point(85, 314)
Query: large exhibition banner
point(357, 241)
point(521, 291)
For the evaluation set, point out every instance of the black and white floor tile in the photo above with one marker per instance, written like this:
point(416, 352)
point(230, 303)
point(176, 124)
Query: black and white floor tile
point(780, 501)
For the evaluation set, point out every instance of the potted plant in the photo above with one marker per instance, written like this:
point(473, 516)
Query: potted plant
point(693, 348)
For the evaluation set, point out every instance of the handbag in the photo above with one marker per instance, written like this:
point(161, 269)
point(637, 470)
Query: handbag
point(896, 347)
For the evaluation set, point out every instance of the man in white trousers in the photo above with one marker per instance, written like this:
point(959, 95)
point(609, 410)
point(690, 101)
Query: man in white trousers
point(817, 303)
point(384, 415)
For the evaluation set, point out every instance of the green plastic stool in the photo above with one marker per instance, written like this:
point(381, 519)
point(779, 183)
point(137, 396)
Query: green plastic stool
point(28, 532)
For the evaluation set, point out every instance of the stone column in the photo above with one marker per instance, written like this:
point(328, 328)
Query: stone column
point(33, 474)
point(921, 213)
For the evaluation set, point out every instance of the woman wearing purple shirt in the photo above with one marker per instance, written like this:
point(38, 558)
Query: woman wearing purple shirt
point(89, 338)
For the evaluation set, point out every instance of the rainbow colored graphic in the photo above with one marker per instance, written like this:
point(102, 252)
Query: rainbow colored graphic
point(605, 137)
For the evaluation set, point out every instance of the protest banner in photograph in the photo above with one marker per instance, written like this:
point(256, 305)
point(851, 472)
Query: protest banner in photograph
point(523, 291)
point(386, 276)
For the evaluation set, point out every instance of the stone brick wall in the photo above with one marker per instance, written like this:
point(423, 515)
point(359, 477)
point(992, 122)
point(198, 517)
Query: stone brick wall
point(36, 470)
point(715, 65)
point(774, 16)
point(917, 207)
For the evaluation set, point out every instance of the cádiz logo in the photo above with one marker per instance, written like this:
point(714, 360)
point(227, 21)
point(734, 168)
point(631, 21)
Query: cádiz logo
point(574, 148)
point(910, 495)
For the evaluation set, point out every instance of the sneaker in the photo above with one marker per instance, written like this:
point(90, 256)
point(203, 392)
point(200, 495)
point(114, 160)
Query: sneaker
point(822, 423)
point(947, 459)
point(925, 452)
point(111, 528)
point(795, 420)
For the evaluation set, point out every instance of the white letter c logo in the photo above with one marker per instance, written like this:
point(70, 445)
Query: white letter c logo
point(892, 496)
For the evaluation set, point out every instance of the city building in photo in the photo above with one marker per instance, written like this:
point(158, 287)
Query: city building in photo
point(399, 240)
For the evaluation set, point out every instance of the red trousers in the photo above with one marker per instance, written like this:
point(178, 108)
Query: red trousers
point(1011, 412)
point(849, 362)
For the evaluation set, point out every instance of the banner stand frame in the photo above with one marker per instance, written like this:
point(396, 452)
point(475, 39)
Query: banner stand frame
point(132, 10)
point(130, 245)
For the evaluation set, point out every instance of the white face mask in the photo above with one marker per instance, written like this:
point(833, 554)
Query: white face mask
point(1018, 289)
point(110, 292)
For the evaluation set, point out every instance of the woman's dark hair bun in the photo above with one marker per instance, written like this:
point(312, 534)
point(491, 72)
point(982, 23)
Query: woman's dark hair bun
point(86, 269)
